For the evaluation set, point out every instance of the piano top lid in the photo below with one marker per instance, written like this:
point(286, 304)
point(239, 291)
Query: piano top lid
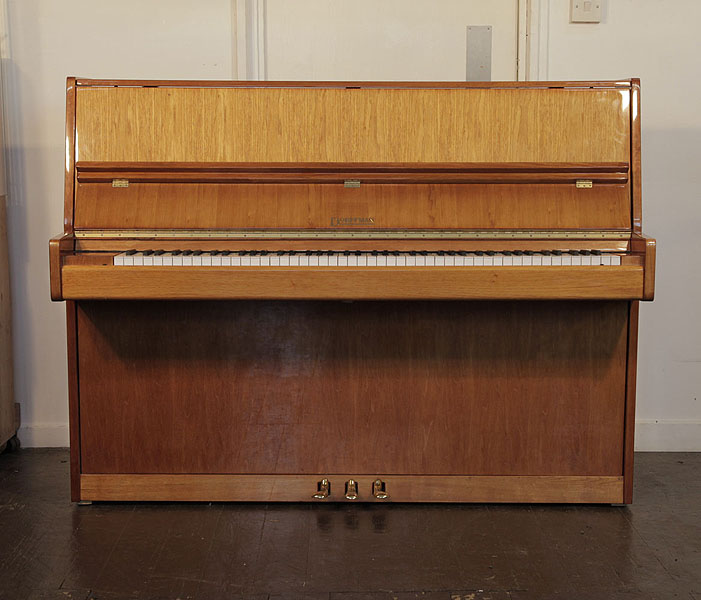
point(176, 83)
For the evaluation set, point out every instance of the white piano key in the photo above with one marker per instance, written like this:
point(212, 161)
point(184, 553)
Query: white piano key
point(363, 259)
point(147, 260)
point(342, 260)
point(556, 261)
point(391, 260)
point(497, 260)
point(410, 260)
point(449, 260)
point(227, 261)
point(324, 260)
point(615, 259)
point(577, 261)
point(606, 260)
point(285, 260)
point(469, 261)
point(517, 261)
point(119, 259)
point(265, 260)
point(586, 261)
point(304, 260)
point(459, 260)
point(353, 260)
point(439, 261)
point(371, 260)
point(295, 260)
point(566, 260)
point(197, 260)
point(507, 261)
point(479, 261)
point(488, 261)
point(547, 260)
point(401, 260)
point(313, 260)
point(536, 260)
point(158, 261)
point(206, 260)
point(430, 260)
point(167, 259)
point(334, 258)
point(246, 260)
point(420, 260)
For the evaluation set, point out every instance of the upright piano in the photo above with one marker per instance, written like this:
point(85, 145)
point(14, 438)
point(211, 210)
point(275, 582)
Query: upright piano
point(354, 292)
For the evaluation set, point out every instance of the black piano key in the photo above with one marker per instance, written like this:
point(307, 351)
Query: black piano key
point(463, 253)
point(281, 253)
point(226, 252)
point(479, 252)
point(159, 252)
point(490, 253)
point(517, 252)
point(130, 252)
point(148, 252)
point(385, 252)
point(330, 253)
point(452, 252)
point(357, 252)
point(585, 252)
point(529, 252)
point(197, 253)
point(346, 253)
point(573, 252)
point(506, 252)
point(545, 252)
point(441, 253)
point(423, 252)
point(176, 252)
point(596, 252)
point(557, 252)
point(264, 253)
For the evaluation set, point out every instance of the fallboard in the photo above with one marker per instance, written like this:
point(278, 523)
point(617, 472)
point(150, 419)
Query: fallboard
point(354, 196)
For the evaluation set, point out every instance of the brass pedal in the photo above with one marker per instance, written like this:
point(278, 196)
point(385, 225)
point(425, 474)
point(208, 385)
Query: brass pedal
point(323, 489)
point(379, 490)
point(351, 489)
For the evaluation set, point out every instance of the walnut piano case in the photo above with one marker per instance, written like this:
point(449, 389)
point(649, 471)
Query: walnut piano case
point(352, 292)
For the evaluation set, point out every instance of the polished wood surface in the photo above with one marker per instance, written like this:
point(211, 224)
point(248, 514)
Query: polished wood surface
point(400, 206)
point(69, 175)
point(365, 387)
point(320, 124)
point(505, 384)
point(84, 282)
point(631, 379)
point(9, 421)
point(299, 488)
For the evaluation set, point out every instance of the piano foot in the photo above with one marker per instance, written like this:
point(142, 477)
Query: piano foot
point(84, 502)
point(618, 504)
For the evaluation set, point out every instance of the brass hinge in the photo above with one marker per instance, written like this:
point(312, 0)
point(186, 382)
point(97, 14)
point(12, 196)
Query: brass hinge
point(120, 183)
point(584, 183)
point(351, 183)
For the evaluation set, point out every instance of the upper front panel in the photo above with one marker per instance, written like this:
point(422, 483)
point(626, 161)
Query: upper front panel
point(189, 124)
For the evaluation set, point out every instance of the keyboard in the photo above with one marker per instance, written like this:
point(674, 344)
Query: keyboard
point(378, 258)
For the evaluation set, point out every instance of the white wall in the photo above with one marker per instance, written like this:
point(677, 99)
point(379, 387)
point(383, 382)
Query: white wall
point(49, 40)
point(658, 42)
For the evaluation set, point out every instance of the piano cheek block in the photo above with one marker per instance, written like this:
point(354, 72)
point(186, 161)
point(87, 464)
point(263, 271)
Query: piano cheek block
point(498, 288)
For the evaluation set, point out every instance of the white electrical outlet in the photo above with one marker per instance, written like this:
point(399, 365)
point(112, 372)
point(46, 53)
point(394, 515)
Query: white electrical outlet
point(585, 11)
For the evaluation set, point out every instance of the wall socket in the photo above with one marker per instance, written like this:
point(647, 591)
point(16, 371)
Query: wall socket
point(585, 11)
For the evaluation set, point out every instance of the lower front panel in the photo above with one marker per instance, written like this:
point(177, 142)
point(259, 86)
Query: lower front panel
point(499, 391)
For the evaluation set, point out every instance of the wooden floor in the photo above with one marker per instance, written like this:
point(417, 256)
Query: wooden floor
point(51, 549)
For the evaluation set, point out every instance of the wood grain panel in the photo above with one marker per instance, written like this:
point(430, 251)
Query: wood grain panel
point(99, 282)
point(403, 206)
point(277, 124)
point(507, 388)
point(299, 488)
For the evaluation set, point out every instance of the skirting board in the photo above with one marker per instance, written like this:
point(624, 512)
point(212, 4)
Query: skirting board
point(651, 435)
point(667, 435)
point(44, 435)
